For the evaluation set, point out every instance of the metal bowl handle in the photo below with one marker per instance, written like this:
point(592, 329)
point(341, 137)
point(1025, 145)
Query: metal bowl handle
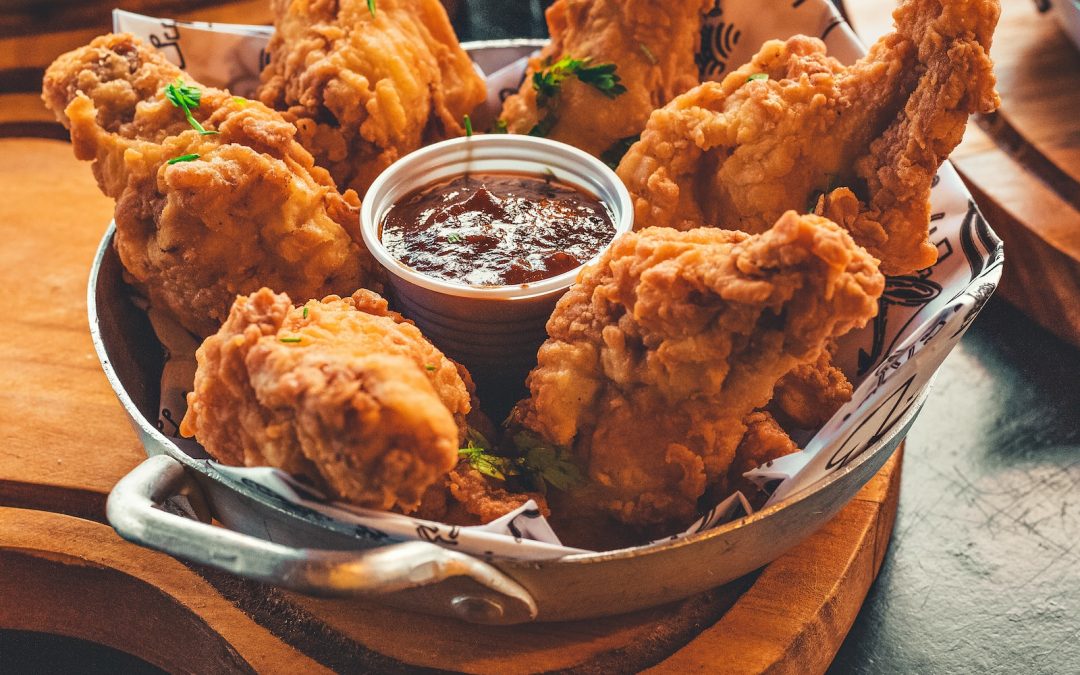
point(134, 510)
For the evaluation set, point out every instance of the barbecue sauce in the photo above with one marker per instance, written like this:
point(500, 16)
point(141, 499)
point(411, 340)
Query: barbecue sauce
point(497, 229)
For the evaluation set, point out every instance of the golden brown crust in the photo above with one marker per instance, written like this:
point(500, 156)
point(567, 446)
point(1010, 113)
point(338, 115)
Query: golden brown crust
point(653, 51)
point(811, 393)
point(350, 395)
point(662, 349)
point(251, 210)
point(365, 90)
point(738, 153)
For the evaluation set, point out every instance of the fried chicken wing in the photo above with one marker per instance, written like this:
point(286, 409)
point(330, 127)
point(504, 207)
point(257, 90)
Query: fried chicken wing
point(247, 209)
point(738, 153)
point(653, 53)
point(811, 393)
point(658, 354)
point(341, 391)
point(366, 88)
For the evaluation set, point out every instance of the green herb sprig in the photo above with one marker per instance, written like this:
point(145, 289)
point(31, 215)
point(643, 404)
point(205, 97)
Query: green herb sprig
point(601, 76)
point(371, 7)
point(183, 158)
point(187, 97)
point(540, 463)
point(468, 126)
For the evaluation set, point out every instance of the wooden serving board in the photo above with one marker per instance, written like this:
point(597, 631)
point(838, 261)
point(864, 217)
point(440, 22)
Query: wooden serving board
point(1022, 163)
point(64, 442)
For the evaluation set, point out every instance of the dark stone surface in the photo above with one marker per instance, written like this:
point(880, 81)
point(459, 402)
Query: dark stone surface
point(983, 572)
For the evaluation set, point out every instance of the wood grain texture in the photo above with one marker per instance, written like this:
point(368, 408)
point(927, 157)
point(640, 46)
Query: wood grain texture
point(64, 441)
point(33, 34)
point(1022, 163)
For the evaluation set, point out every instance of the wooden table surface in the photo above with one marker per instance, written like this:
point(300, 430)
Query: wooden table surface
point(983, 570)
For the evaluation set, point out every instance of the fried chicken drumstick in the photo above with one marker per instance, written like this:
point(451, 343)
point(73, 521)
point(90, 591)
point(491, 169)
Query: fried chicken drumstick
point(795, 123)
point(659, 354)
point(365, 88)
point(202, 217)
point(341, 391)
point(652, 51)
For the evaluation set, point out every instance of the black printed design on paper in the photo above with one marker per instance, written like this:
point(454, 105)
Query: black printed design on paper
point(167, 414)
point(718, 40)
point(286, 505)
point(435, 534)
point(169, 39)
point(982, 248)
point(513, 527)
point(981, 294)
point(370, 533)
point(907, 291)
point(885, 416)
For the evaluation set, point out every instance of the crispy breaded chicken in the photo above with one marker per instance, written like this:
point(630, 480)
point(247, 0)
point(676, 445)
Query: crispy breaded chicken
point(366, 89)
point(659, 353)
point(652, 49)
point(249, 209)
point(342, 391)
point(764, 441)
point(795, 123)
point(811, 393)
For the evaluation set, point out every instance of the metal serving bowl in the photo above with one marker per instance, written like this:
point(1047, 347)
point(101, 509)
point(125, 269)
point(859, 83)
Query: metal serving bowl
point(265, 539)
point(167, 503)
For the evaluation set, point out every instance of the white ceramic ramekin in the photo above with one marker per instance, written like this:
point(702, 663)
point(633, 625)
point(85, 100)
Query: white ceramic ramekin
point(484, 327)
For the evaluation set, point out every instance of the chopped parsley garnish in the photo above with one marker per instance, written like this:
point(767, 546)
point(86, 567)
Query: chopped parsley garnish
point(552, 463)
point(477, 452)
point(371, 7)
point(305, 312)
point(613, 155)
point(183, 158)
point(499, 127)
point(240, 101)
point(601, 76)
point(453, 238)
point(468, 126)
point(430, 368)
point(548, 82)
point(290, 339)
point(187, 98)
point(540, 463)
point(757, 76)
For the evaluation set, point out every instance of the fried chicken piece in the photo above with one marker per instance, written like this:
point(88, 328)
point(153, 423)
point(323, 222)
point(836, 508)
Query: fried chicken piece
point(764, 441)
point(365, 89)
point(341, 391)
point(738, 153)
point(653, 53)
point(487, 498)
point(811, 393)
point(658, 354)
point(250, 209)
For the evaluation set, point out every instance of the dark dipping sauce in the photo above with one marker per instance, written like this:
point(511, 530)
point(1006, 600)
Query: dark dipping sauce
point(497, 229)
